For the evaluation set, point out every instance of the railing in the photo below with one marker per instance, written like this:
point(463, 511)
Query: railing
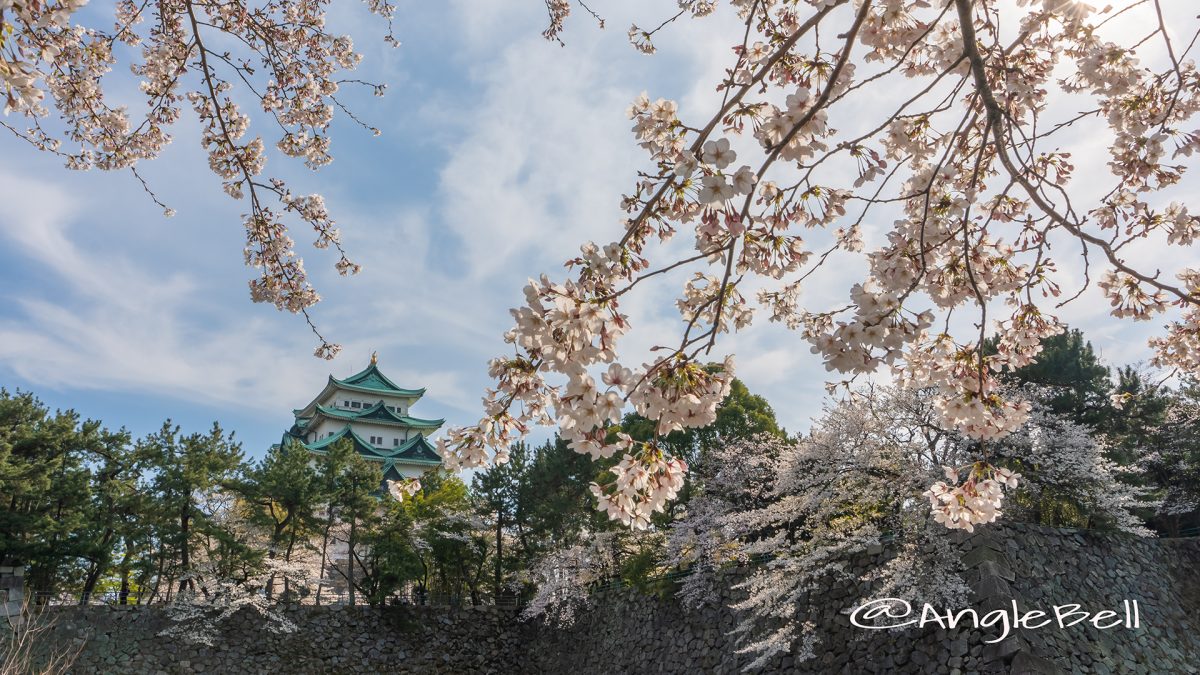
point(418, 599)
point(106, 598)
point(328, 597)
point(616, 582)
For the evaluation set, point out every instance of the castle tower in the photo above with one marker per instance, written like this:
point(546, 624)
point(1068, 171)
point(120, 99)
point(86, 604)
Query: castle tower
point(372, 412)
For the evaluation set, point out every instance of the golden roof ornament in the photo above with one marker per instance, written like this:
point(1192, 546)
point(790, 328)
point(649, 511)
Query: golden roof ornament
point(374, 358)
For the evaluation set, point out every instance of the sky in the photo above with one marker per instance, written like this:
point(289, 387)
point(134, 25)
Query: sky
point(500, 154)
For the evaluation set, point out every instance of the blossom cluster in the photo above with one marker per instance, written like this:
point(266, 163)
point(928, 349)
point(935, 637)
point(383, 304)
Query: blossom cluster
point(290, 64)
point(788, 514)
point(403, 489)
point(975, 501)
point(642, 486)
point(969, 167)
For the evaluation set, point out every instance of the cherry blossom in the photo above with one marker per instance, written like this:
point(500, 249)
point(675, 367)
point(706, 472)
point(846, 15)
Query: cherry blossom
point(402, 489)
point(787, 515)
point(289, 66)
point(951, 192)
point(975, 501)
point(965, 177)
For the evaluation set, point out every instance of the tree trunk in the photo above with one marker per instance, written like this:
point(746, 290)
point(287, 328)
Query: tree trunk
point(350, 558)
point(123, 596)
point(499, 552)
point(185, 557)
point(162, 559)
point(98, 568)
point(287, 558)
point(325, 550)
point(89, 582)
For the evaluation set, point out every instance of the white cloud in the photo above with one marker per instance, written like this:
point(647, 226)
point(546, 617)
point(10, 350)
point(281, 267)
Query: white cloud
point(531, 151)
point(103, 322)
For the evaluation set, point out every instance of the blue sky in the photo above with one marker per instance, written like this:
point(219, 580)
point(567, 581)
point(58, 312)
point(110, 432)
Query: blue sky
point(500, 154)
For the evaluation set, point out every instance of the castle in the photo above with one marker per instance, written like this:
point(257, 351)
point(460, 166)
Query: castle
point(372, 412)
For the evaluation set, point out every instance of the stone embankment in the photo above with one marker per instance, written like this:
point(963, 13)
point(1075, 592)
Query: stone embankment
point(627, 632)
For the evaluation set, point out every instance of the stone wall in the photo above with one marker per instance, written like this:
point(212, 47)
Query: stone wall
point(1038, 567)
point(12, 585)
point(335, 639)
point(626, 632)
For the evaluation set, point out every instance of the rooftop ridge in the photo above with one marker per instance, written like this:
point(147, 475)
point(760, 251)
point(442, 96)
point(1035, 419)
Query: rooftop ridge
point(372, 379)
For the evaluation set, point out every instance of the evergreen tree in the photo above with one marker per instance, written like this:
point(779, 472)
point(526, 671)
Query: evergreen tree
point(113, 517)
point(58, 493)
point(330, 468)
point(355, 499)
point(452, 543)
point(1170, 457)
point(285, 488)
point(390, 558)
point(559, 504)
point(500, 493)
point(1070, 379)
point(187, 471)
point(1130, 425)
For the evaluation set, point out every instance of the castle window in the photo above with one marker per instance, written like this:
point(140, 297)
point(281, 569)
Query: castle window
point(395, 442)
point(355, 404)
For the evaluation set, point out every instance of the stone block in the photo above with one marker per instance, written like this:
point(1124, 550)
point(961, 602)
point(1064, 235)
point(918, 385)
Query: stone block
point(992, 587)
point(998, 651)
point(994, 568)
point(977, 556)
point(1025, 663)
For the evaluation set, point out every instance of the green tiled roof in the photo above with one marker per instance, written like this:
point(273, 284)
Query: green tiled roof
point(371, 379)
point(379, 413)
point(416, 450)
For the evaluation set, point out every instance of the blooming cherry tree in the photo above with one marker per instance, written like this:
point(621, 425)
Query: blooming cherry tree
point(972, 167)
point(53, 57)
point(778, 519)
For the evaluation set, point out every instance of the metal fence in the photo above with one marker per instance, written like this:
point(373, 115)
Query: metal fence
point(328, 597)
point(113, 598)
point(418, 599)
point(415, 598)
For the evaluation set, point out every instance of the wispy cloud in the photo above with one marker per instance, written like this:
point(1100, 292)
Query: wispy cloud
point(500, 154)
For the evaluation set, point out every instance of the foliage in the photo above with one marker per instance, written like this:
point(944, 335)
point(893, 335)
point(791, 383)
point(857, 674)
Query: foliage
point(354, 499)
point(392, 555)
point(1171, 461)
point(453, 543)
point(773, 184)
point(1070, 378)
point(1068, 479)
point(793, 513)
point(182, 518)
point(286, 489)
point(189, 53)
point(192, 487)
